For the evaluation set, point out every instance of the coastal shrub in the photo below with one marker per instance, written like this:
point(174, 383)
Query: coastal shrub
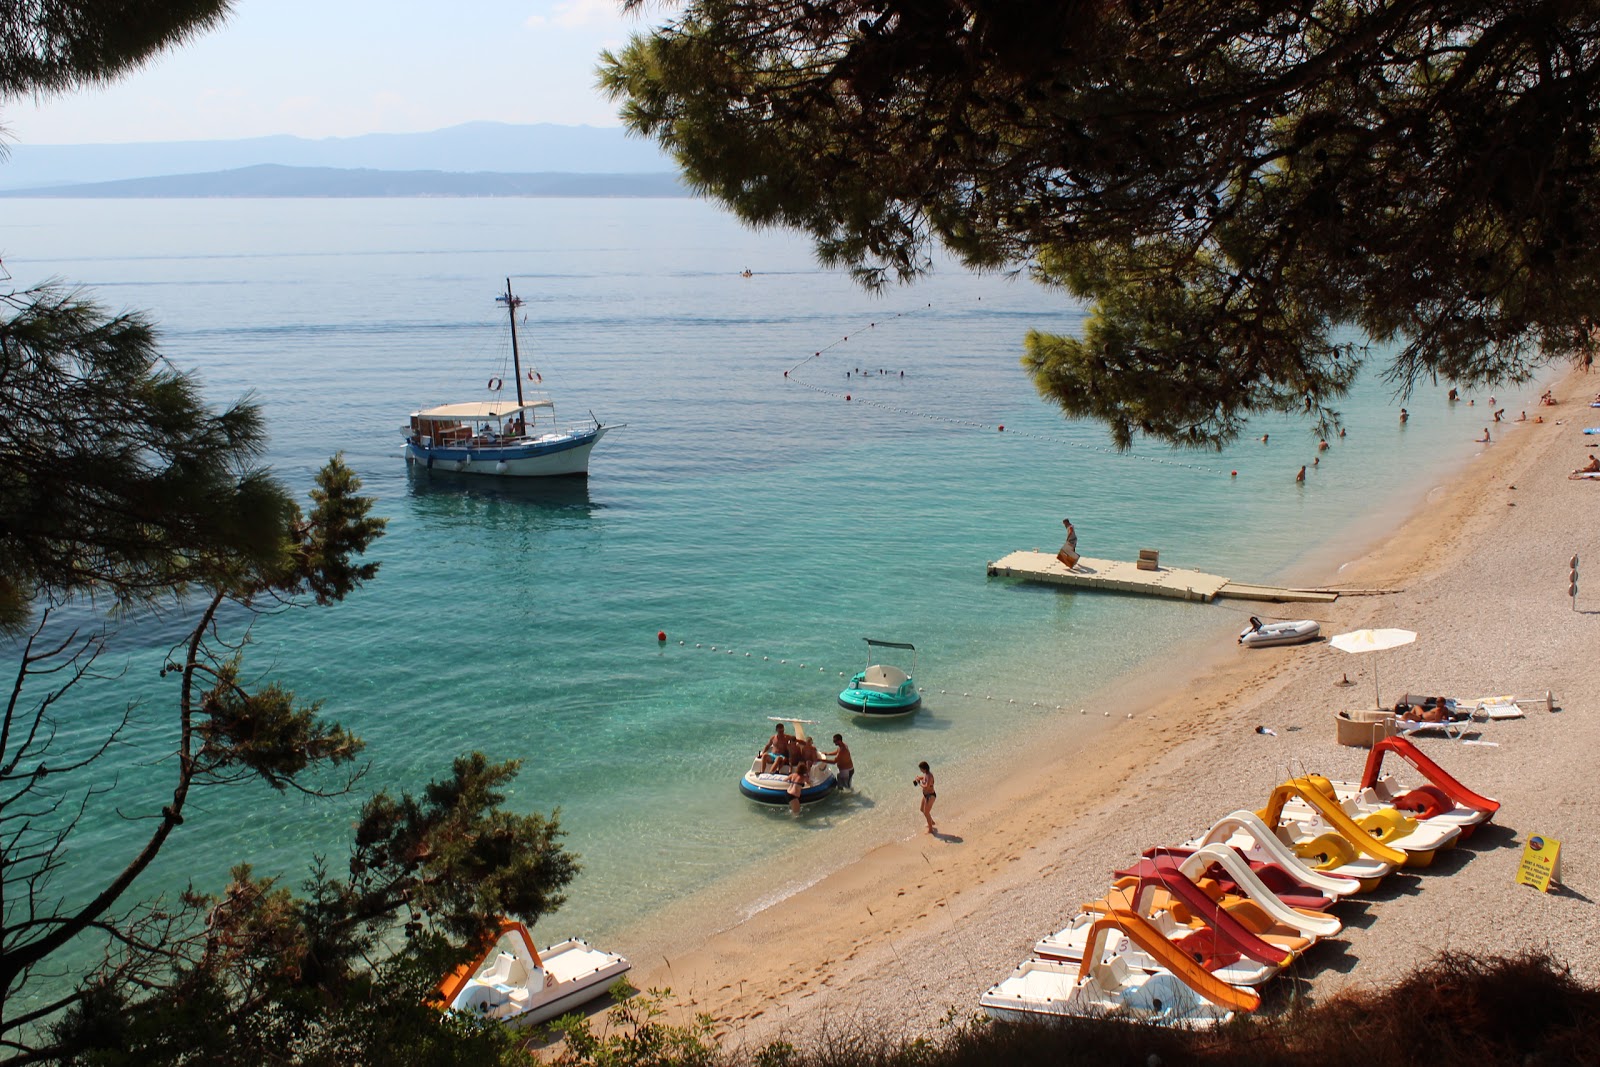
point(633, 1034)
point(1526, 1009)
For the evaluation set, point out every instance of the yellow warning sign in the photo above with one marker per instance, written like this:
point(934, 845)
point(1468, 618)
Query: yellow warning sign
point(1540, 863)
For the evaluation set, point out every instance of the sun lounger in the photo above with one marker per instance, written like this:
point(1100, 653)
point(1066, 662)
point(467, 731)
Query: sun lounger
point(1454, 729)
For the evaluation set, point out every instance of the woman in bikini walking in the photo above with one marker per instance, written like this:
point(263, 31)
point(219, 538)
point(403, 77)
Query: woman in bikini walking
point(925, 780)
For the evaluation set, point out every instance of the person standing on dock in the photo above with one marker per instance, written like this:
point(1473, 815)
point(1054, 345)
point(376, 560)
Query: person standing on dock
point(1069, 549)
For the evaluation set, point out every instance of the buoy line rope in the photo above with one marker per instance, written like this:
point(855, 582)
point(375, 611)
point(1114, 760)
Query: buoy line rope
point(800, 665)
point(1054, 439)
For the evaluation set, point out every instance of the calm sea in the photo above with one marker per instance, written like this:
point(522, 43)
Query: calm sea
point(765, 525)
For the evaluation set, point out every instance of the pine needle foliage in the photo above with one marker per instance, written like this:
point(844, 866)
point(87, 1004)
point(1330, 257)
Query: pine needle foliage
point(1243, 192)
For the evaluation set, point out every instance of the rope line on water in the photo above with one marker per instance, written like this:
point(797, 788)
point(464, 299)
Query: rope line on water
point(798, 665)
point(1055, 439)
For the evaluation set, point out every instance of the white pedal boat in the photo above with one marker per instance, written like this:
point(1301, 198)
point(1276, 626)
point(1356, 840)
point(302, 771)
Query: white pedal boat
point(1182, 994)
point(1419, 839)
point(520, 986)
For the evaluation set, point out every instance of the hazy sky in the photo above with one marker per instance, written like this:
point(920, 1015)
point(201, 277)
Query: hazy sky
point(336, 68)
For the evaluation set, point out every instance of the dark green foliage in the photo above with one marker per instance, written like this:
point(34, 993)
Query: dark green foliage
point(1230, 184)
point(116, 479)
point(635, 1035)
point(1456, 1009)
point(50, 45)
point(325, 978)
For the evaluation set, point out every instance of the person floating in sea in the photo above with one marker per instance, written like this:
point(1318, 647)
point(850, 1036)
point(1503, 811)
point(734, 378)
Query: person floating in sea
point(925, 781)
point(1301, 476)
point(1264, 438)
point(1404, 415)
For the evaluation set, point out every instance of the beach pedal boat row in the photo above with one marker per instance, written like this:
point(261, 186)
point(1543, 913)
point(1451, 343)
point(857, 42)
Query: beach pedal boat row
point(1242, 938)
point(516, 984)
point(1187, 931)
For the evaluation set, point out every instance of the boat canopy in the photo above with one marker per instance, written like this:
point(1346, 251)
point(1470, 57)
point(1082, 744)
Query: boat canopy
point(482, 409)
point(873, 643)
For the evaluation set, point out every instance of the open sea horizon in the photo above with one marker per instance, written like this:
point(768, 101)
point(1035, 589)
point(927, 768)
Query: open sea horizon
point(764, 523)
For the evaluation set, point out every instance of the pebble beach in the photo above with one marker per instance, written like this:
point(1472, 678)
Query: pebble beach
point(917, 928)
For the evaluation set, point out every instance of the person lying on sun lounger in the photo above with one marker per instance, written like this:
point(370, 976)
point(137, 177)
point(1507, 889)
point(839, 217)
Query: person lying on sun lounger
point(1434, 710)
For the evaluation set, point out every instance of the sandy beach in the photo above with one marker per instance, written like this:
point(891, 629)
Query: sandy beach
point(921, 925)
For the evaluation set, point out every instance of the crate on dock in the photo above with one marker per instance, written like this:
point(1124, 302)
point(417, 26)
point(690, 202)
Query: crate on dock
point(1149, 560)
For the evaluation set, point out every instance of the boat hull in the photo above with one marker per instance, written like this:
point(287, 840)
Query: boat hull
point(553, 455)
point(1281, 633)
point(774, 788)
point(879, 705)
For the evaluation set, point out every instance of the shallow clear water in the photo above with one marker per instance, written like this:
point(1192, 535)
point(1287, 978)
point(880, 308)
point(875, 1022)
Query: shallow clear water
point(774, 520)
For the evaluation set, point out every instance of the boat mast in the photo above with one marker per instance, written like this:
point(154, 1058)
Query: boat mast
point(512, 303)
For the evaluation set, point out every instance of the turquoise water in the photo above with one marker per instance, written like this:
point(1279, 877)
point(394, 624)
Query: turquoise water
point(733, 508)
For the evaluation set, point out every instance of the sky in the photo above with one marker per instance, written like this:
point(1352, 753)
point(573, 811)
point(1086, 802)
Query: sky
point(340, 68)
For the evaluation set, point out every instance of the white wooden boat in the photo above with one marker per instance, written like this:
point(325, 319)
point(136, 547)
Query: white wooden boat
point(519, 985)
point(1261, 634)
point(512, 436)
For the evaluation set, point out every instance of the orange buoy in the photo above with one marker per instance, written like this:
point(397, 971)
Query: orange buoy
point(1002, 427)
point(661, 635)
point(1235, 474)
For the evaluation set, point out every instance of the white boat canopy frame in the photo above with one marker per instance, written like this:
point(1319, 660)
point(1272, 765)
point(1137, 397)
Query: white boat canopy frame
point(481, 409)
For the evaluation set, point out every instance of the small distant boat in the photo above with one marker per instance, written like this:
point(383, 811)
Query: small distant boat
point(520, 986)
point(882, 689)
point(1261, 634)
point(509, 437)
point(770, 787)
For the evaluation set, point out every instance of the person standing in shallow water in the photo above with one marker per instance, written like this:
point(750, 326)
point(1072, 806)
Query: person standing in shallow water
point(925, 782)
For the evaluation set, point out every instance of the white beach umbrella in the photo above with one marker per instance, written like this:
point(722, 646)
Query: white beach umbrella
point(1372, 641)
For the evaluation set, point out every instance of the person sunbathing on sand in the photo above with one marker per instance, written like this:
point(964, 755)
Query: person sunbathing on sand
point(1431, 713)
point(1590, 467)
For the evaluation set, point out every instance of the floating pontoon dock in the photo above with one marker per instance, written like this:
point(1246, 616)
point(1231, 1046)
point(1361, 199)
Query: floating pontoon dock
point(1119, 576)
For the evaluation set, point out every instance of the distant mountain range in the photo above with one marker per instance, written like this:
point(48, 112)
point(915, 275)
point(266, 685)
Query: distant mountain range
point(475, 159)
point(271, 180)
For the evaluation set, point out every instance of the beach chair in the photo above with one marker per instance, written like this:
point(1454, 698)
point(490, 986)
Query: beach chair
point(1453, 728)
